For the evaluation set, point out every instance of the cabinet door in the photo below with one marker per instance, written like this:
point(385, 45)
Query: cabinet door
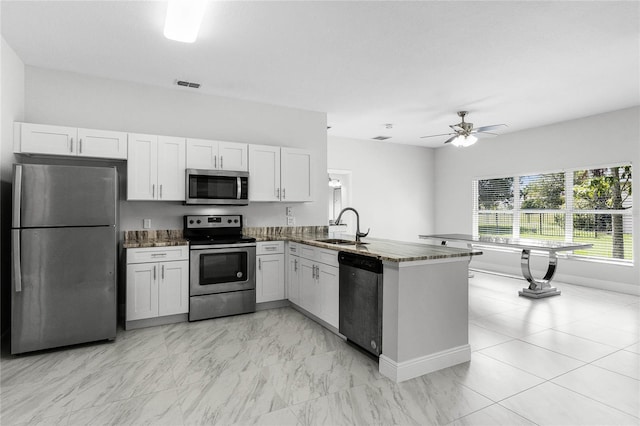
point(102, 144)
point(329, 294)
point(202, 154)
point(296, 174)
point(309, 293)
point(270, 278)
point(171, 168)
point(142, 167)
point(293, 279)
point(142, 291)
point(233, 156)
point(45, 139)
point(173, 288)
point(264, 171)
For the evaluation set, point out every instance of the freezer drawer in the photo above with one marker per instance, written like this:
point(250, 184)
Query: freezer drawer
point(63, 287)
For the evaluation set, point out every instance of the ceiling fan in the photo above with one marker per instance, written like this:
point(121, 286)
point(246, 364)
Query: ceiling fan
point(463, 132)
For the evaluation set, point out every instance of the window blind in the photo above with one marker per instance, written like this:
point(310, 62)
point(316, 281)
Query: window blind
point(591, 206)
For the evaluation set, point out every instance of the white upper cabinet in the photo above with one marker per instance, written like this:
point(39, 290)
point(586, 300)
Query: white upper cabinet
point(102, 144)
point(171, 168)
point(295, 174)
point(217, 155)
point(156, 168)
point(264, 173)
point(32, 138)
point(279, 174)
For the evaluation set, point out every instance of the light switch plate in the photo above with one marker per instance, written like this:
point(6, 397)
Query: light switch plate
point(146, 223)
point(291, 220)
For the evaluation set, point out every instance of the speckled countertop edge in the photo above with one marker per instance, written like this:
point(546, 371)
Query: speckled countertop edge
point(389, 250)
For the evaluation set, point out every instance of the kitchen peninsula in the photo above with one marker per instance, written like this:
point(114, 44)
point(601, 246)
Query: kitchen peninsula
point(425, 302)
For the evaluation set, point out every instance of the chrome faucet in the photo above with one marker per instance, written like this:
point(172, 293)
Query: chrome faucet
point(358, 233)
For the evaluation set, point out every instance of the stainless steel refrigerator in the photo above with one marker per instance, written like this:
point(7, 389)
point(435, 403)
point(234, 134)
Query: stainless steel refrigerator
point(63, 256)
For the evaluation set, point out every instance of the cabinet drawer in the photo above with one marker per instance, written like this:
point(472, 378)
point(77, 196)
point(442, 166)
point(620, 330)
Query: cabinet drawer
point(317, 254)
point(328, 257)
point(293, 249)
point(157, 254)
point(270, 247)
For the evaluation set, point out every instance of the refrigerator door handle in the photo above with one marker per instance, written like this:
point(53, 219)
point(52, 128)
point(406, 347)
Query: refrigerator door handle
point(17, 194)
point(17, 268)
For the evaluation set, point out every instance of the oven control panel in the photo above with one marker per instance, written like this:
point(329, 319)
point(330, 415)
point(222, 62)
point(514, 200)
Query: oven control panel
point(205, 221)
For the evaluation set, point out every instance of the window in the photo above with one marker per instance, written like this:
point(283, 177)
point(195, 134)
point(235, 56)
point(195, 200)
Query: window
point(592, 206)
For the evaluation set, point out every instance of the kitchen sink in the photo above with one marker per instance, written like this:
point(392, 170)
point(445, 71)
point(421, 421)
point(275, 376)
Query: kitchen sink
point(340, 241)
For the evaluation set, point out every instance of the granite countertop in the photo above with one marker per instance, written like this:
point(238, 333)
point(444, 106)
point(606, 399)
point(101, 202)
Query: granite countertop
point(154, 238)
point(389, 250)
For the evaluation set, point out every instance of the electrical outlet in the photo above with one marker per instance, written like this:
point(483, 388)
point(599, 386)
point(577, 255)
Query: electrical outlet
point(146, 223)
point(288, 211)
point(291, 221)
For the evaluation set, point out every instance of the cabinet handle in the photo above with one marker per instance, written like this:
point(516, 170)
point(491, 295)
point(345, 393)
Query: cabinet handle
point(259, 264)
point(221, 163)
point(270, 248)
point(80, 146)
point(295, 265)
point(160, 195)
point(153, 191)
point(158, 254)
point(283, 193)
point(278, 193)
point(154, 272)
point(215, 161)
point(163, 272)
point(71, 145)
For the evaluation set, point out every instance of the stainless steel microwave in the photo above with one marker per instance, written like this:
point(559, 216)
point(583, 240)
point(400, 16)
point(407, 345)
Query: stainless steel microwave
point(220, 187)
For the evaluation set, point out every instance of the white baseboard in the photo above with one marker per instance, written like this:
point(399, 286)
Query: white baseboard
point(401, 371)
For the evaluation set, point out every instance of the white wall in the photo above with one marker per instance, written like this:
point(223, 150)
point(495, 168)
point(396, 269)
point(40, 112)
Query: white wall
point(391, 186)
point(598, 140)
point(64, 98)
point(11, 108)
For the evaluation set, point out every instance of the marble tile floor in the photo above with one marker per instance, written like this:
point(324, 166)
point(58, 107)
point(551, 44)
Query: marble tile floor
point(568, 360)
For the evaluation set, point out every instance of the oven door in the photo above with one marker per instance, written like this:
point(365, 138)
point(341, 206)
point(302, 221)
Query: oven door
point(222, 269)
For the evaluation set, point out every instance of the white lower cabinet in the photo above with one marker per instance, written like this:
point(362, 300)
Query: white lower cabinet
point(318, 278)
point(270, 271)
point(293, 273)
point(157, 282)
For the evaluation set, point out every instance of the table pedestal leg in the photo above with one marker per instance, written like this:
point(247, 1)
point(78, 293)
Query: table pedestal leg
point(538, 288)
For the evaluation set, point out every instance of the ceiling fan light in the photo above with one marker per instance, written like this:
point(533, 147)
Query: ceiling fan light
point(183, 20)
point(464, 141)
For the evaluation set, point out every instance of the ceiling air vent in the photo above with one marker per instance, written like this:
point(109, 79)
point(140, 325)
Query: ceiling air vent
point(381, 138)
point(188, 84)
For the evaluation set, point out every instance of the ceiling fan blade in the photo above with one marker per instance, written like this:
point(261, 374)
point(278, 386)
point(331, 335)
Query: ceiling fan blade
point(433, 136)
point(489, 128)
point(451, 138)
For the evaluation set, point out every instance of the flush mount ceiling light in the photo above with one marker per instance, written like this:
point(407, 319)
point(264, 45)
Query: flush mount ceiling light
point(334, 183)
point(183, 20)
point(464, 141)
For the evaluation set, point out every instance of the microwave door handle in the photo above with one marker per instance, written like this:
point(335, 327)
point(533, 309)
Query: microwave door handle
point(239, 181)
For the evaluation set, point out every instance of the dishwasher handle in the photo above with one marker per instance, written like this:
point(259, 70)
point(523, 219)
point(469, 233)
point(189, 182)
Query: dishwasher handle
point(358, 261)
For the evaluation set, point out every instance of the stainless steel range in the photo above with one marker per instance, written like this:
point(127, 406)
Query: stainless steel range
point(222, 267)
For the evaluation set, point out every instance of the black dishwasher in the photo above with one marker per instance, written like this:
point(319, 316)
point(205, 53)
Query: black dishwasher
point(360, 315)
